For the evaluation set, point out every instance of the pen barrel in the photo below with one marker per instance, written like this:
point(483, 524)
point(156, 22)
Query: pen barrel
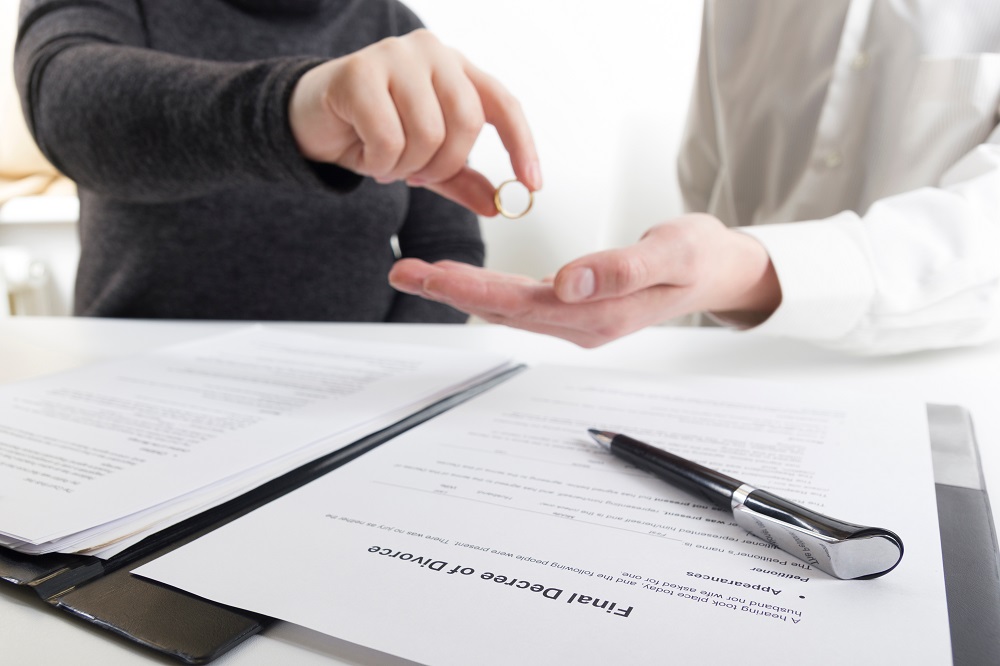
point(714, 486)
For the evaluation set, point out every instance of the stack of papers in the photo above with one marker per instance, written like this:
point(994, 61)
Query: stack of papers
point(94, 460)
point(498, 533)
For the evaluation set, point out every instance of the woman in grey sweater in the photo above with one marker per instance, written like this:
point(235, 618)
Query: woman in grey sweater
point(253, 159)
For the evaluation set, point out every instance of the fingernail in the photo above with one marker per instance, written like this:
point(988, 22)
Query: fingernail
point(580, 285)
point(535, 175)
point(416, 182)
point(433, 294)
point(405, 288)
point(427, 288)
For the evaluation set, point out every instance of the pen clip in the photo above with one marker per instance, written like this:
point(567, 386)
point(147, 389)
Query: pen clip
point(843, 550)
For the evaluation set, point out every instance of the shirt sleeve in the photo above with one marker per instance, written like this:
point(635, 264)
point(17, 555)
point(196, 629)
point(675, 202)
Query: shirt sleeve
point(137, 124)
point(917, 270)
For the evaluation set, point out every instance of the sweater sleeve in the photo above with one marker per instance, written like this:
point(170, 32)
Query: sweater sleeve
point(436, 229)
point(136, 124)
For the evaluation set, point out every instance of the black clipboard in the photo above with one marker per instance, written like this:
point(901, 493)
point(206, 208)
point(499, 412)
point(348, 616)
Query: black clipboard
point(968, 538)
point(170, 621)
point(197, 631)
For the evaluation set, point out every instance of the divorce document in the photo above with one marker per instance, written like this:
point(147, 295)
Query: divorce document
point(499, 533)
point(93, 459)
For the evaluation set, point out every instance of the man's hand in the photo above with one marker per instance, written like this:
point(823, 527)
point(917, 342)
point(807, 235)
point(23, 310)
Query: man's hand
point(409, 108)
point(690, 264)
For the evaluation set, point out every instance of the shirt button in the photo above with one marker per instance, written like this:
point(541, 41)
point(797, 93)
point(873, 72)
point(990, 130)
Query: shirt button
point(833, 159)
point(861, 61)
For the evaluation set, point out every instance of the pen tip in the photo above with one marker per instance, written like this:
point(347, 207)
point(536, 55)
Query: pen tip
point(602, 437)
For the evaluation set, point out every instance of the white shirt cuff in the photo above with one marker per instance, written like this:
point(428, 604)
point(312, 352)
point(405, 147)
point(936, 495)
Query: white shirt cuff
point(827, 283)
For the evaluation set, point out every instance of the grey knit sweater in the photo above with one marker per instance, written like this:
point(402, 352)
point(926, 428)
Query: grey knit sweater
point(171, 116)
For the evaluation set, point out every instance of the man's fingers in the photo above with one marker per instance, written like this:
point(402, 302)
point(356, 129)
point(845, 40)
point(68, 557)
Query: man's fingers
point(586, 339)
point(410, 274)
point(608, 274)
point(519, 303)
point(471, 287)
point(458, 268)
point(515, 298)
point(531, 305)
point(664, 256)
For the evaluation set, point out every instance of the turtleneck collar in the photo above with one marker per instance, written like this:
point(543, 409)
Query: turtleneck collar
point(296, 7)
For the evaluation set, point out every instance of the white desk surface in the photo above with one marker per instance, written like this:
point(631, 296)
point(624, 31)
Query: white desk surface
point(33, 633)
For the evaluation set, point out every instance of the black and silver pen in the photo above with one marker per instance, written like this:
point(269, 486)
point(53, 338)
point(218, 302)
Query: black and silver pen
point(841, 549)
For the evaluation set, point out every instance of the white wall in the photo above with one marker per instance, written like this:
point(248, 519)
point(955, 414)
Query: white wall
point(605, 86)
point(45, 228)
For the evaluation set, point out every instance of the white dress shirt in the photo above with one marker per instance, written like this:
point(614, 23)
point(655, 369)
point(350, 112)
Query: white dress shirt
point(874, 127)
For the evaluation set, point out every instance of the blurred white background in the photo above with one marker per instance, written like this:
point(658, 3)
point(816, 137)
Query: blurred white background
point(605, 86)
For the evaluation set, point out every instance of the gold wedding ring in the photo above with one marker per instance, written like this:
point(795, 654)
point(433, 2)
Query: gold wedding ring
point(499, 204)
